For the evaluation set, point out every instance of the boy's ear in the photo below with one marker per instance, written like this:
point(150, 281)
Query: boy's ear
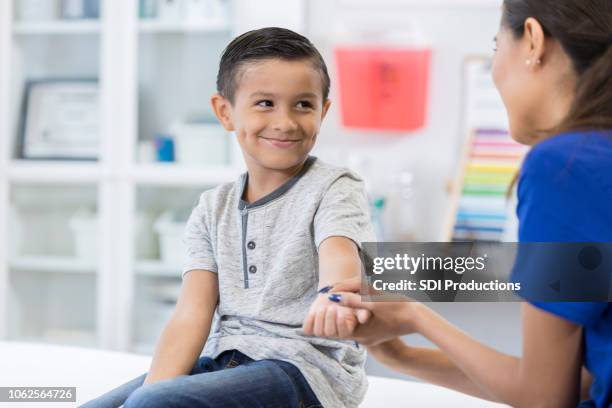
point(223, 110)
point(326, 106)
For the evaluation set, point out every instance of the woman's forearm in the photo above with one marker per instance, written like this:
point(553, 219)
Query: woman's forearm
point(178, 348)
point(538, 378)
point(430, 365)
point(586, 381)
point(495, 373)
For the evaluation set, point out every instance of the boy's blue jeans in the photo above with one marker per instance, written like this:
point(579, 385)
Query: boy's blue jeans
point(231, 380)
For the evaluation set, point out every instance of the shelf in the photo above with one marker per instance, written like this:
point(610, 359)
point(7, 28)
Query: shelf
point(54, 171)
point(144, 348)
point(48, 171)
point(155, 268)
point(77, 338)
point(42, 195)
point(155, 26)
point(83, 26)
point(446, 4)
point(174, 174)
point(52, 264)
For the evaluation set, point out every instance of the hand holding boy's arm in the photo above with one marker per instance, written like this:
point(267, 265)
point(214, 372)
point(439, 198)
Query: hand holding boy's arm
point(338, 260)
point(184, 336)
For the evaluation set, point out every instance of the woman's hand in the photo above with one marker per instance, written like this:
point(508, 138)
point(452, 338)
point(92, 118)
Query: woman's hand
point(380, 322)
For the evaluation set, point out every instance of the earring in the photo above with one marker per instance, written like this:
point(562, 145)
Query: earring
point(538, 61)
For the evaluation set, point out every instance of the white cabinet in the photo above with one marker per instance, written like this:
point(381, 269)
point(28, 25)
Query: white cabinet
point(50, 281)
point(80, 258)
point(52, 263)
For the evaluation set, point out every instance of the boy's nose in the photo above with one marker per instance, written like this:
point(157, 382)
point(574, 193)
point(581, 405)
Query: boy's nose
point(284, 123)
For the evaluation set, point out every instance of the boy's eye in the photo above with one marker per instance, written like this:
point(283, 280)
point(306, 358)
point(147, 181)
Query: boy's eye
point(266, 103)
point(304, 105)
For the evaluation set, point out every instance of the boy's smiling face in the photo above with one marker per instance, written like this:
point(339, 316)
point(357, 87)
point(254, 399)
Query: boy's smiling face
point(276, 114)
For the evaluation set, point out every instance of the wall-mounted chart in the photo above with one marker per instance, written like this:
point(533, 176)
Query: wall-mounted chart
point(482, 209)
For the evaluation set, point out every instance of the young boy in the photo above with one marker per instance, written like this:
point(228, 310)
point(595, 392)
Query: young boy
point(259, 248)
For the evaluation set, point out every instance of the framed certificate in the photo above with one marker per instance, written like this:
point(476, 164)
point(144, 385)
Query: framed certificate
point(60, 120)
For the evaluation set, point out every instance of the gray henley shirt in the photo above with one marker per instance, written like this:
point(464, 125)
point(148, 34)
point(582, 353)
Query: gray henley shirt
point(266, 256)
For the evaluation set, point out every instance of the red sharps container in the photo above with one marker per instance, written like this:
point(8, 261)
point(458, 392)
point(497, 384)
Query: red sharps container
point(384, 83)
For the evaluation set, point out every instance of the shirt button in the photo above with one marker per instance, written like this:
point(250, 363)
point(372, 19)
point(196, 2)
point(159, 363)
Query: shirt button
point(252, 269)
point(251, 245)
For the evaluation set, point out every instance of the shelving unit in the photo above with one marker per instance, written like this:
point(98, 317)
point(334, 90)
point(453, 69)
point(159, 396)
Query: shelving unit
point(446, 4)
point(150, 74)
point(155, 268)
point(170, 174)
point(52, 264)
point(55, 171)
point(144, 67)
point(153, 27)
point(57, 27)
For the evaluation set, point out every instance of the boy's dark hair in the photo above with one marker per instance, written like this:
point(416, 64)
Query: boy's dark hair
point(266, 43)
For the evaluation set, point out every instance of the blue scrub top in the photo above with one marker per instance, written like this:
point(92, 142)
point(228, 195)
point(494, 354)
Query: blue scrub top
point(565, 195)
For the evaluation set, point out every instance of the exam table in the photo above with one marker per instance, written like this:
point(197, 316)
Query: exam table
point(95, 371)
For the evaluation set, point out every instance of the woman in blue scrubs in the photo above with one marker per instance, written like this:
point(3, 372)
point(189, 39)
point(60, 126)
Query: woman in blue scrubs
point(553, 68)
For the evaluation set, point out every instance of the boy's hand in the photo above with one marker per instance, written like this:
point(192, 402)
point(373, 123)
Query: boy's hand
point(329, 319)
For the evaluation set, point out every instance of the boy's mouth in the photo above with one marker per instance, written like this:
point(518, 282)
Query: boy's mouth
point(281, 143)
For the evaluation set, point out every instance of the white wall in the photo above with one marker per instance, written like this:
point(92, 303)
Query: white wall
point(454, 32)
point(281, 13)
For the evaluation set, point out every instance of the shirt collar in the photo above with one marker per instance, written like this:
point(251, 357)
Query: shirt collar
point(242, 204)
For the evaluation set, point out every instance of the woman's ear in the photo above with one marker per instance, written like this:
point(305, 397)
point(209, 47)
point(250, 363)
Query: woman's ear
point(223, 110)
point(535, 41)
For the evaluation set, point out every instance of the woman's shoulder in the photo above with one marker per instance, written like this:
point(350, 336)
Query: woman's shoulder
point(576, 151)
point(565, 187)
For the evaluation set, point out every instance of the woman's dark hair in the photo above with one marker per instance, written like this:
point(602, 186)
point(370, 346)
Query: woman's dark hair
point(584, 30)
point(266, 43)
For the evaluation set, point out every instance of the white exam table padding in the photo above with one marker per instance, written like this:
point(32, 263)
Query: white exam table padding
point(95, 371)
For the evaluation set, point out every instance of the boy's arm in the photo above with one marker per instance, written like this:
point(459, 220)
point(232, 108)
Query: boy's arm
point(340, 224)
point(185, 334)
point(338, 260)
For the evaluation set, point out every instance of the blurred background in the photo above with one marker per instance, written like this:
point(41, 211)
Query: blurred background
point(107, 139)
